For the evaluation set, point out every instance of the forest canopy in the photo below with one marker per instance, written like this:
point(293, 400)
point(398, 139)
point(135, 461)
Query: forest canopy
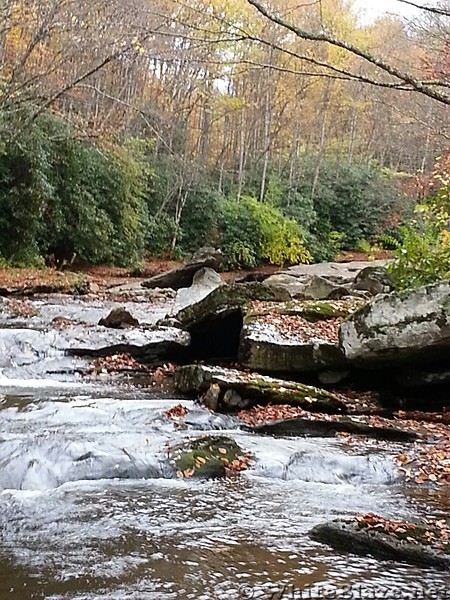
point(280, 131)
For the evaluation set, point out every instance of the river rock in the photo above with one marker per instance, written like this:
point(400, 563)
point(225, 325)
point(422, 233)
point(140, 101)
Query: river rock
point(221, 301)
point(215, 321)
point(294, 337)
point(204, 457)
point(347, 536)
point(399, 327)
point(256, 389)
point(320, 288)
point(182, 277)
point(146, 344)
point(204, 282)
point(338, 277)
point(211, 397)
point(321, 427)
point(119, 318)
point(374, 279)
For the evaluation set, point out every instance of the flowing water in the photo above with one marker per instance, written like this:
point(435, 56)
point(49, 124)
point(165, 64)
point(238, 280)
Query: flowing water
point(89, 506)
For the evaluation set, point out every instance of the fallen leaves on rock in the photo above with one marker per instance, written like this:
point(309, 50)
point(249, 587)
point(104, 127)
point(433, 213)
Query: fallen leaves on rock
point(176, 412)
point(426, 464)
point(209, 457)
point(19, 308)
point(117, 363)
point(294, 326)
point(428, 532)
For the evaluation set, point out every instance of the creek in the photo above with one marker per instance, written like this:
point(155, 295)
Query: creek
point(90, 508)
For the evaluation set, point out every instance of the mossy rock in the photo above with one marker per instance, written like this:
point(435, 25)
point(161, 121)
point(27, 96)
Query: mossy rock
point(205, 457)
point(311, 310)
point(256, 388)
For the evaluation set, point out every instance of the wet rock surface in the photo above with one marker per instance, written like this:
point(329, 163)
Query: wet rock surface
point(315, 426)
point(207, 457)
point(350, 536)
point(119, 318)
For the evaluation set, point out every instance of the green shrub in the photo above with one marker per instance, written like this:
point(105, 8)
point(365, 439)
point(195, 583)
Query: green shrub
point(423, 255)
point(252, 232)
point(70, 198)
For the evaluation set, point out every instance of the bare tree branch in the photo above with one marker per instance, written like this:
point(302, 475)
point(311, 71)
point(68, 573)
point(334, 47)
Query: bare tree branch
point(433, 9)
point(404, 76)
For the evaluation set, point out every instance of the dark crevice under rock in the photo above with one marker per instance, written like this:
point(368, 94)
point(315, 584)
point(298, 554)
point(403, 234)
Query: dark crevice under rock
point(216, 338)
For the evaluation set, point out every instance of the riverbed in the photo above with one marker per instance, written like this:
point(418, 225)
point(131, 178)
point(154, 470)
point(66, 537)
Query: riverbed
point(90, 507)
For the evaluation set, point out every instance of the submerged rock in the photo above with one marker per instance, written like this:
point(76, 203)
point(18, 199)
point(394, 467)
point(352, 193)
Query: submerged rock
point(399, 327)
point(255, 389)
point(405, 547)
point(182, 277)
point(207, 457)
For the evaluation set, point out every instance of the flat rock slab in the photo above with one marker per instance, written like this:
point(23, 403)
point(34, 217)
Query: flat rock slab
point(317, 427)
point(256, 389)
point(294, 337)
point(399, 327)
point(337, 272)
point(204, 282)
point(142, 343)
point(320, 280)
point(347, 536)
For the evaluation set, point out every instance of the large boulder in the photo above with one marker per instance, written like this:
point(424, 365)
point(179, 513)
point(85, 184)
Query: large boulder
point(294, 337)
point(413, 325)
point(374, 279)
point(223, 300)
point(255, 389)
point(182, 277)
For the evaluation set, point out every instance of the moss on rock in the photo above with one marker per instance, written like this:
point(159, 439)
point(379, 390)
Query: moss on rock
point(207, 457)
